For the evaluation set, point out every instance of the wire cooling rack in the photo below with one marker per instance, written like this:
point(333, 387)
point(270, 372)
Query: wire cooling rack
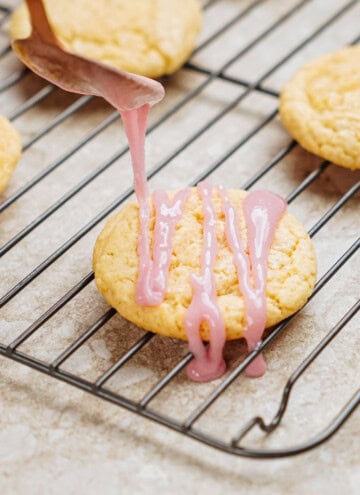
point(250, 86)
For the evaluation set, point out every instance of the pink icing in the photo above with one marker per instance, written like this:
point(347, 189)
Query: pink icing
point(135, 122)
point(153, 273)
point(153, 268)
point(262, 211)
point(168, 214)
point(208, 363)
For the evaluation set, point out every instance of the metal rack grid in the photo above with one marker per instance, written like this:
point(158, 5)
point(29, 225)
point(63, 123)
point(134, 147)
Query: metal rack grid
point(98, 387)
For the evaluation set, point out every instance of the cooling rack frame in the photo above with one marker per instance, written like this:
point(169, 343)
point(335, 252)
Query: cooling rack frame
point(98, 388)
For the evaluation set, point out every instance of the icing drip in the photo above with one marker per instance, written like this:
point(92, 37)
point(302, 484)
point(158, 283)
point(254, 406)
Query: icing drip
point(262, 211)
point(153, 269)
point(208, 362)
point(135, 122)
point(168, 214)
point(153, 273)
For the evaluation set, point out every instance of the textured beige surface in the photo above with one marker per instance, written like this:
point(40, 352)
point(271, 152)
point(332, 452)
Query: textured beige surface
point(290, 280)
point(320, 106)
point(10, 151)
point(55, 439)
point(147, 37)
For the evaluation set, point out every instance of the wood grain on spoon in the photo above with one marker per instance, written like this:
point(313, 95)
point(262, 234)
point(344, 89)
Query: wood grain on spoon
point(45, 56)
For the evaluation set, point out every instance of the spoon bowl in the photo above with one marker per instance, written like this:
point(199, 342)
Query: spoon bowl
point(45, 56)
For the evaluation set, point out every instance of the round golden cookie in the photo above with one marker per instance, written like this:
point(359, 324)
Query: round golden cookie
point(147, 37)
point(290, 281)
point(320, 107)
point(10, 151)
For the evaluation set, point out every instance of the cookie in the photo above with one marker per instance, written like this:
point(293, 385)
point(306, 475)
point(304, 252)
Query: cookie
point(320, 107)
point(147, 37)
point(290, 280)
point(10, 151)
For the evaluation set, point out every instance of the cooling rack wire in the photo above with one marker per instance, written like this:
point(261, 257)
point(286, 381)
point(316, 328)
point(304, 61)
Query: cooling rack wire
point(249, 86)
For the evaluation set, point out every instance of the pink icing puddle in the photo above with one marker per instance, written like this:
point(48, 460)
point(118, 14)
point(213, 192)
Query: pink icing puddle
point(208, 363)
point(262, 211)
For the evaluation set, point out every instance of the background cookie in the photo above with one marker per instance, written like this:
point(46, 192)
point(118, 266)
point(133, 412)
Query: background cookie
point(320, 106)
point(147, 37)
point(10, 151)
point(291, 269)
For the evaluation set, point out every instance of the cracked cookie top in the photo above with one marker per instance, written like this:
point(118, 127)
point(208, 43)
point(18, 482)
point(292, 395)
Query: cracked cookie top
point(320, 107)
point(290, 279)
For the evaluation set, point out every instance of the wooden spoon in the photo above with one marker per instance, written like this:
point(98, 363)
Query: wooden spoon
point(44, 55)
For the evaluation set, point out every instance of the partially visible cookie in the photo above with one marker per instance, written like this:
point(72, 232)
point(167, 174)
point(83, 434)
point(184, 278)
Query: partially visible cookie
point(147, 37)
point(320, 107)
point(290, 281)
point(10, 151)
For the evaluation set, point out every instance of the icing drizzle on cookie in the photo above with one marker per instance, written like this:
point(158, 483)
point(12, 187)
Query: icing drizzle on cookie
point(153, 268)
point(208, 363)
point(262, 212)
